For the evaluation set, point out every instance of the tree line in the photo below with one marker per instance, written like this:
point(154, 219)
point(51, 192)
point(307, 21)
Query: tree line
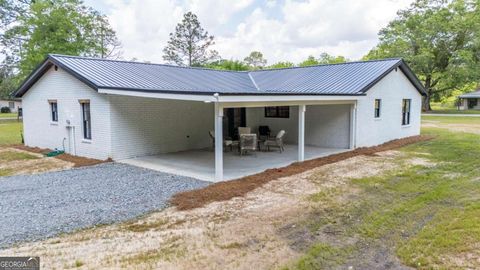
point(439, 39)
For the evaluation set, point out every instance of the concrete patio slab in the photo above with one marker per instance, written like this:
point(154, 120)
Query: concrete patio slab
point(200, 163)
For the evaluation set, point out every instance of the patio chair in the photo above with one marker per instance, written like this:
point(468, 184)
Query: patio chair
point(244, 130)
point(248, 142)
point(263, 133)
point(226, 143)
point(276, 142)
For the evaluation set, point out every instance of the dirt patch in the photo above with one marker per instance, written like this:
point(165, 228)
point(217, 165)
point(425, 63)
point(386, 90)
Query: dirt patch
point(239, 233)
point(80, 161)
point(75, 160)
point(226, 190)
point(39, 164)
point(37, 150)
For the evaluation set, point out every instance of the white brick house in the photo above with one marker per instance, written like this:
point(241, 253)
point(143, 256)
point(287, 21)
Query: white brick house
point(122, 110)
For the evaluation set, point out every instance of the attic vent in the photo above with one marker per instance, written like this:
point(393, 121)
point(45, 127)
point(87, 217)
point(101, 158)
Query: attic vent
point(56, 68)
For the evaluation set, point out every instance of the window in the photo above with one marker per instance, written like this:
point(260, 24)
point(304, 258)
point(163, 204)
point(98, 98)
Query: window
point(406, 111)
point(378, 104)
point(277, 112)
point(11, 105)
point(472, 103)
point(53, 110)
point(86, 120)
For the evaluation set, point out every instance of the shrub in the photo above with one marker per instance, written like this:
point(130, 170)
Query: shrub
point(5, 110)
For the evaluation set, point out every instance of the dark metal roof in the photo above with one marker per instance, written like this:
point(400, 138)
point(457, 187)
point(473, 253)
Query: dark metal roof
point(352, 78)
point(475, 94)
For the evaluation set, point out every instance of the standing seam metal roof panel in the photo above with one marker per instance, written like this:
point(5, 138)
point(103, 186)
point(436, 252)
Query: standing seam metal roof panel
point(351, 78)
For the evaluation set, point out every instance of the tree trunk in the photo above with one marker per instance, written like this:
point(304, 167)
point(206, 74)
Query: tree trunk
point(426, 100)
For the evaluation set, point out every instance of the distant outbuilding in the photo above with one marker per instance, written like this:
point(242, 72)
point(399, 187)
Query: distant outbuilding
point(470, 101)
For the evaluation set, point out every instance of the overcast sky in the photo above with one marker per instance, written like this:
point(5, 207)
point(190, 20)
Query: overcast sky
point(283, 30)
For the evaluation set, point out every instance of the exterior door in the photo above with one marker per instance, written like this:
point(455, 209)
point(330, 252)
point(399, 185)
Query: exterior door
point(234, 118)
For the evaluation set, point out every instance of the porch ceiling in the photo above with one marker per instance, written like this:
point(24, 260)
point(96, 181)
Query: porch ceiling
point(245, 100)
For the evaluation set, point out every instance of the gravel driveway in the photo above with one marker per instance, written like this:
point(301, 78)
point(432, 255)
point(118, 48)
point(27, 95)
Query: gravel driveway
point(34, 207)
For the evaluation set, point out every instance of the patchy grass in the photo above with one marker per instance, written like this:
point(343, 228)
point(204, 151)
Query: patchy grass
point(428, 216)
point(10, 133)
point(5, 172)
point(452, 119)
point(321, 256)
point(453, 111)
point(7, 156)
point(143, 226)
point(78, 263)
point(227, 190)
point(171, 249)
point(8, 115)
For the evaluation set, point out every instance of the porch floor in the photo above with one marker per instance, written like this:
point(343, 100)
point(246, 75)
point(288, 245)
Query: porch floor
point(200, 163)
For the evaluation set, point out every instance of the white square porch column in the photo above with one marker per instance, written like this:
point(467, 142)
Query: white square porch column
point(301, 132)
point(353, 125)
point(218, 142)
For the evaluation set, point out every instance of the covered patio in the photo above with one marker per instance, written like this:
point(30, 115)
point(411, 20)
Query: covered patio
point(200, 163)
point(179, 142)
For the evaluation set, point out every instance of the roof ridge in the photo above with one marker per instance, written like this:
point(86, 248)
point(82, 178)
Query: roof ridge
point(221, 70)
point(332, 64)
point(141, 63)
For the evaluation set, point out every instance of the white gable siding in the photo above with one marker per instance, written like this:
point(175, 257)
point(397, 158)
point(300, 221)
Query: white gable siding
point(67, 90)
point(147, 126)
point(392, 89)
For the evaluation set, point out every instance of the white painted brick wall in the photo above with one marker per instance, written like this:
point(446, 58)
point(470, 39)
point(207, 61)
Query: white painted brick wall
point(39, 131)
point(392, 89)
point(146, 126)
point(325, 125)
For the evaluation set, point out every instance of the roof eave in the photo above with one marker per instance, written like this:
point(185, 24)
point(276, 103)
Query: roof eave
point(40, 70)
point(210, 93)
point(406, 70)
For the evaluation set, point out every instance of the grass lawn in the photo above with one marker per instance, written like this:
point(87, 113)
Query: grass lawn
point(10, 133)
point(428, 216)
point(446, 109)
point(466, 120)
point(8, 115)
point(453, 111)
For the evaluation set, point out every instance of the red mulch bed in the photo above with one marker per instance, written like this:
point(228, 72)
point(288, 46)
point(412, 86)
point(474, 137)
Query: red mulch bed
point(223, 191)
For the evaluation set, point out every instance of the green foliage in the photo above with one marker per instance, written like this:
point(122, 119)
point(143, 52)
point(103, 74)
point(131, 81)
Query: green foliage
point(255, 60)
point(285, 64)
point(189, 44)
point(7, 84)
point(228, 65)
point(439, 40)
point(33, 29)
point(310, 61)
point(5, 110)
point(324, 59)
